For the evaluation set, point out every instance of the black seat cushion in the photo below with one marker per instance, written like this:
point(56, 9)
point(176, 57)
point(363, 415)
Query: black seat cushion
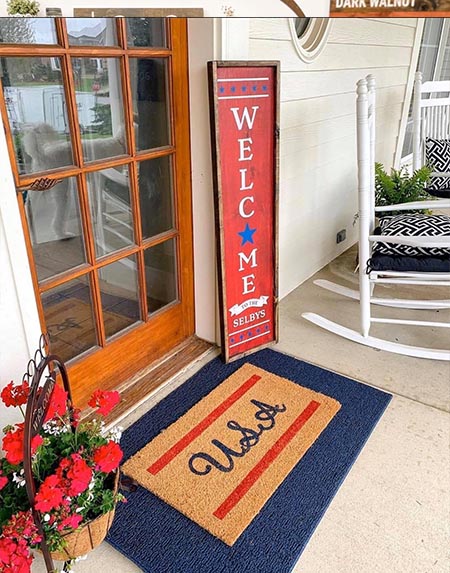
point(440, 193)
point(399, 263)
point(437, 152)
point(413, 225)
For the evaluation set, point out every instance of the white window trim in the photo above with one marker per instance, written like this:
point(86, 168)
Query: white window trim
point(399, 160)
point(314, 40)
point(441, 49)
point(231, 38)
point(17, 252)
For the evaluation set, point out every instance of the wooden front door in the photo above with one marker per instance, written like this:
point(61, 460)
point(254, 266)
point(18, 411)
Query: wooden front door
point(97, 120)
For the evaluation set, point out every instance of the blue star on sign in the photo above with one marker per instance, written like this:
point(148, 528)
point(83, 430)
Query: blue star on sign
point(233, 89)
point(247, 235)
point(221, 89)
point(244, 88)
point(264, 88)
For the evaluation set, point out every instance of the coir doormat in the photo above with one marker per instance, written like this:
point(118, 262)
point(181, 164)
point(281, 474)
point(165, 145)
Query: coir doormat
point(220, 462)
point(269, 495)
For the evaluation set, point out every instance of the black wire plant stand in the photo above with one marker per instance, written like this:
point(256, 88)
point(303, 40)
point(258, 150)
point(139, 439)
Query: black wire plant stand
point(41, 375)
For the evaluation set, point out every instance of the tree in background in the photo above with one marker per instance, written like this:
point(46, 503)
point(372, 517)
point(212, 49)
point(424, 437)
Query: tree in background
point(23, 7)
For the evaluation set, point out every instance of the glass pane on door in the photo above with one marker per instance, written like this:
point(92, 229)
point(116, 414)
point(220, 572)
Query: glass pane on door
point(156, 196)
point(69, 317)
point(54, 224)
point(148, 78)
point(120, 295)
point(146, 32)
point(111, 213)
point(37, 112)
point(99, 98)
point(92, 31)
point(161, 275)
point(27, 31)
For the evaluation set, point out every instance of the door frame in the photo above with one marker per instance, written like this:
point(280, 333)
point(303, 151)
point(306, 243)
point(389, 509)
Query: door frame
point(180, 324)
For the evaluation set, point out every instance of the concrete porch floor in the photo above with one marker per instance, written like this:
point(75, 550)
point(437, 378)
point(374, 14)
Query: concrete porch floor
point(391, 515)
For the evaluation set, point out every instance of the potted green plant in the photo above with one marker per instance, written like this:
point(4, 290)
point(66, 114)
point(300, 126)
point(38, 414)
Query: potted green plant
point(23, 7)
point(75, 468)
point(400, 187)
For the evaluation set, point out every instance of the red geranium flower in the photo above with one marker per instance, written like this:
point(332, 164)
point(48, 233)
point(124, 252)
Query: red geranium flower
point(13, 445)
point(58, 404)
point(76, 415)
point(15, 395)
point(14, 556)
point(71, 522)
point(107, 458)
point(104, 401)
point(21, 525)
point(50, 494)
point(79, 475)
point(7, 548)
point(3, 481)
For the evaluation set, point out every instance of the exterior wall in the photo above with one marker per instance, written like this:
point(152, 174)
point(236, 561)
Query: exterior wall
point(211, 7)
point(13, 347)
point(318, 187)
point(200, 52)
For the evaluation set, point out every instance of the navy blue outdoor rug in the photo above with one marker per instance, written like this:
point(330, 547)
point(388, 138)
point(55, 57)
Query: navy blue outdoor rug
point(160, 539)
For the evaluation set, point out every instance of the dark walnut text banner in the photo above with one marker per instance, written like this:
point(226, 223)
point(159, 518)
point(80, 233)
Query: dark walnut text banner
point(387, 8)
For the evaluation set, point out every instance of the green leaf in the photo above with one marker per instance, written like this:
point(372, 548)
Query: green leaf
point(399, 187)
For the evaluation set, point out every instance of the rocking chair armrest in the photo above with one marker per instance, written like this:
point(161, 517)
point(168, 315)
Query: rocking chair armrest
point(430, 242)
point(440, 174)
point(415, 205)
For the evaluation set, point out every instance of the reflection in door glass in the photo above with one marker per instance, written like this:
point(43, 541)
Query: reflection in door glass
point(69, 318)
point(155, 196)
point(110, 203)
point(36, 106)
point(161, 275)
point(148, 78)
point(98, 90)
point(92, 31)
point(146, 32)
point(55, 228)
point(120, 295)
point(27, 31)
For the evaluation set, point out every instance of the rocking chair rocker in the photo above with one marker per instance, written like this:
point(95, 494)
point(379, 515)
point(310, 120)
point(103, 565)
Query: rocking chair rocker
point(369, 278)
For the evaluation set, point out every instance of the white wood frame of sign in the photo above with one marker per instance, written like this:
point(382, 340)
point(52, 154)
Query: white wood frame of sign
point(366, 104)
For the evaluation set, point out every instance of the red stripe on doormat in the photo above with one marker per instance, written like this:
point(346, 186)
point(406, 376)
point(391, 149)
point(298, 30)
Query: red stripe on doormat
point(202, 426)
point(264, 463)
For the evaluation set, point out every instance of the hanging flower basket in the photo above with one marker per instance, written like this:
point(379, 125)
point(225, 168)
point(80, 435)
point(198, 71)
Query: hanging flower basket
point(87, 537)
point(76, 476)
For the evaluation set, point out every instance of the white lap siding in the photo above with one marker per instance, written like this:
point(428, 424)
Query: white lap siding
point(318, 185)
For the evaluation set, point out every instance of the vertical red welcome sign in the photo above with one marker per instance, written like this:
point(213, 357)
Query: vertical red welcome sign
point(244, 99)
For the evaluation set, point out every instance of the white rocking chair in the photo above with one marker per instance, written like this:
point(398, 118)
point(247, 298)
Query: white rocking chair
point(369, 279)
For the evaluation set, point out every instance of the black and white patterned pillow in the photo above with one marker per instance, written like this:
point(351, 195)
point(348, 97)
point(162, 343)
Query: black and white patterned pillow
point(414, 225)
point(438, 158)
